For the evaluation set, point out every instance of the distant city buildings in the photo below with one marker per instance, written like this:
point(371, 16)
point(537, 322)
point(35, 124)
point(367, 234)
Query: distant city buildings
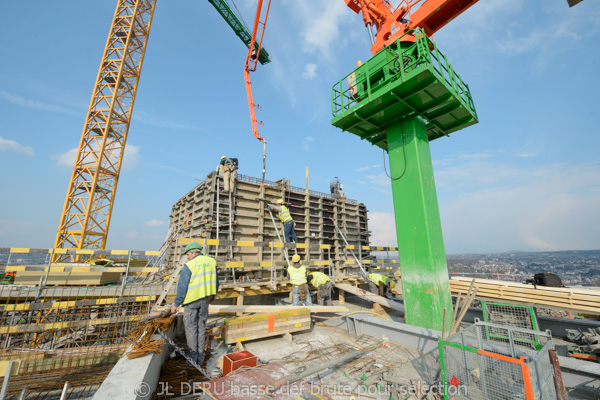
point(576, 268)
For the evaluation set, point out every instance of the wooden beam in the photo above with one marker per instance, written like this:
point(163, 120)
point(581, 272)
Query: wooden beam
point(363, 294)
point(214, 309)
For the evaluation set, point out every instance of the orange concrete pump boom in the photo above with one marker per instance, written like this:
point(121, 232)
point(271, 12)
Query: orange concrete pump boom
point(391, 23)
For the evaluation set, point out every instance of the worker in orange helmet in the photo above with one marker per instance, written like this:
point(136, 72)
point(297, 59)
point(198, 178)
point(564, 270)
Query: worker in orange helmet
point(228, 170)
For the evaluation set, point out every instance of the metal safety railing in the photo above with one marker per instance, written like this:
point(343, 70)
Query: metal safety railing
point(296, 189)
point(477, 364)
point(397, 61)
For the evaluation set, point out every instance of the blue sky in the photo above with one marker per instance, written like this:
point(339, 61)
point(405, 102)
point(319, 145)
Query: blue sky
point(527, 177)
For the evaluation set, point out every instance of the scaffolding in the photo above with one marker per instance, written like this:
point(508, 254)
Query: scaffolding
point(207, 213)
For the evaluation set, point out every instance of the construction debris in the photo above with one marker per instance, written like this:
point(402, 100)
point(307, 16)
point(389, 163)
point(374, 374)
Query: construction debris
point(142, 338)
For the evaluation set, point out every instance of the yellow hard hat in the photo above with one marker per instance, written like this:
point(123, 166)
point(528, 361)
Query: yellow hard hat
point(280, 201)
point(393, 284)
point(295, 258)
point(222, 157)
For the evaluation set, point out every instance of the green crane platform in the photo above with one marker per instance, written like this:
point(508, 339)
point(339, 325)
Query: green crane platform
point(402, 98)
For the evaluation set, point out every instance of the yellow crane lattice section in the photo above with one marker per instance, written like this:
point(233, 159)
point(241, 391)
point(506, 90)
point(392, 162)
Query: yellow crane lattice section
point(88, 205)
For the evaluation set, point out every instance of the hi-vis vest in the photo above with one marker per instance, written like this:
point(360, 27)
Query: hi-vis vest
point(203, 282)
point(297, 275)
point(284, 214)
point(318, 278)
point(377, 278)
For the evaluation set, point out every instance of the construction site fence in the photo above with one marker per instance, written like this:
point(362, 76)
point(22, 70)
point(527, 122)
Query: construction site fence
point(492, 361)
point(40, 260)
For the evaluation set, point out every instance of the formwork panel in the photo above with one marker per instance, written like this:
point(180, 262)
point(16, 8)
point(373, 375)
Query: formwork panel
point(207, 212)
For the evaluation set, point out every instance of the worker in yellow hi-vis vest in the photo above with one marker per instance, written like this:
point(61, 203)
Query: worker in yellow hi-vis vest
point(196, 289)
point(323, 285)
point(297, 274)
point(289, 233)
point(380, 284)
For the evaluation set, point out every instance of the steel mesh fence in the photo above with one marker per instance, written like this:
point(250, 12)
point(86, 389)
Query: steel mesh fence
point(512, 315)
point(478, 364)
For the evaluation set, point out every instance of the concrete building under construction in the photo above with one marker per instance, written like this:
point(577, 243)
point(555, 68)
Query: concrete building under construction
point(237, 227)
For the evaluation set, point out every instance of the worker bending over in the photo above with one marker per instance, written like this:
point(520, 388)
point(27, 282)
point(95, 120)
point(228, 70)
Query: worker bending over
point(297, 274)
point(289, 233)
point(227, 169)
point(197, 287)
point(323, 285)
point(380, 284)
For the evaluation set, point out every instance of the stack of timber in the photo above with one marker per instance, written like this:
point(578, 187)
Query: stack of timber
point(67, 278)
point(208, 213)
point(572, 299)
point(264, 325)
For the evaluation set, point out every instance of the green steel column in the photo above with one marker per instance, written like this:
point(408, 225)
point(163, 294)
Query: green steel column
point(420, 243)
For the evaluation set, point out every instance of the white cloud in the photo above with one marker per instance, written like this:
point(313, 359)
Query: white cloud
point(549, 207)
point(130, 159)
point(11, 145)
point(67, 158)
point(367, 167)
point(155, 222)
point(383, 229)
point(381, 180)
point(526, 155)
point(307, 141)
point(35, 104)
point(323, 27)
point(151, 119)
point(132, 235)
point(310, 71)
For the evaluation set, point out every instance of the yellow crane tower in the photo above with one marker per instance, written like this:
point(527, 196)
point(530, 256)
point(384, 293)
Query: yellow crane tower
point(90, 196)
point(85, 217)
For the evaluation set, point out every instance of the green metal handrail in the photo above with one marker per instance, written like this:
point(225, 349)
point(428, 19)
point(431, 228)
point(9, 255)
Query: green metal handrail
point(422, 52)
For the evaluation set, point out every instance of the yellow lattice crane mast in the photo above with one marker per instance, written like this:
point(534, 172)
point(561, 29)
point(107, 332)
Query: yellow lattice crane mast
point(90, 196)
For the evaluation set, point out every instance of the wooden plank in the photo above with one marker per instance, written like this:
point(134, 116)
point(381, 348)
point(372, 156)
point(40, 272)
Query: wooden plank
point(534, 294)
point(262, 317)
point(576, 291)
point(363, 294)
point(261, 329)
point(565, 293)
point(539, 297)
point(234, 337)
point(214, 309)
point(13, 371)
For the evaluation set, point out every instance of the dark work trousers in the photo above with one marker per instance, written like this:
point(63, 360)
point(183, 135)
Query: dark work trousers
point(194, 319)
point(289, 233)
point(324, 294)
point(380, 290)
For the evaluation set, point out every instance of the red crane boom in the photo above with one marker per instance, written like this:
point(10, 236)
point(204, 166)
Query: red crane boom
point(391, 23)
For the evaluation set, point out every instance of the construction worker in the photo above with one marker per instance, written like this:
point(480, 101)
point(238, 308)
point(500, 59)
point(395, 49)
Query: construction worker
point(227, 169)
point(289, 233)
point(297, 274)
point(323, 285)
point(379, 284)
point(197, 287)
